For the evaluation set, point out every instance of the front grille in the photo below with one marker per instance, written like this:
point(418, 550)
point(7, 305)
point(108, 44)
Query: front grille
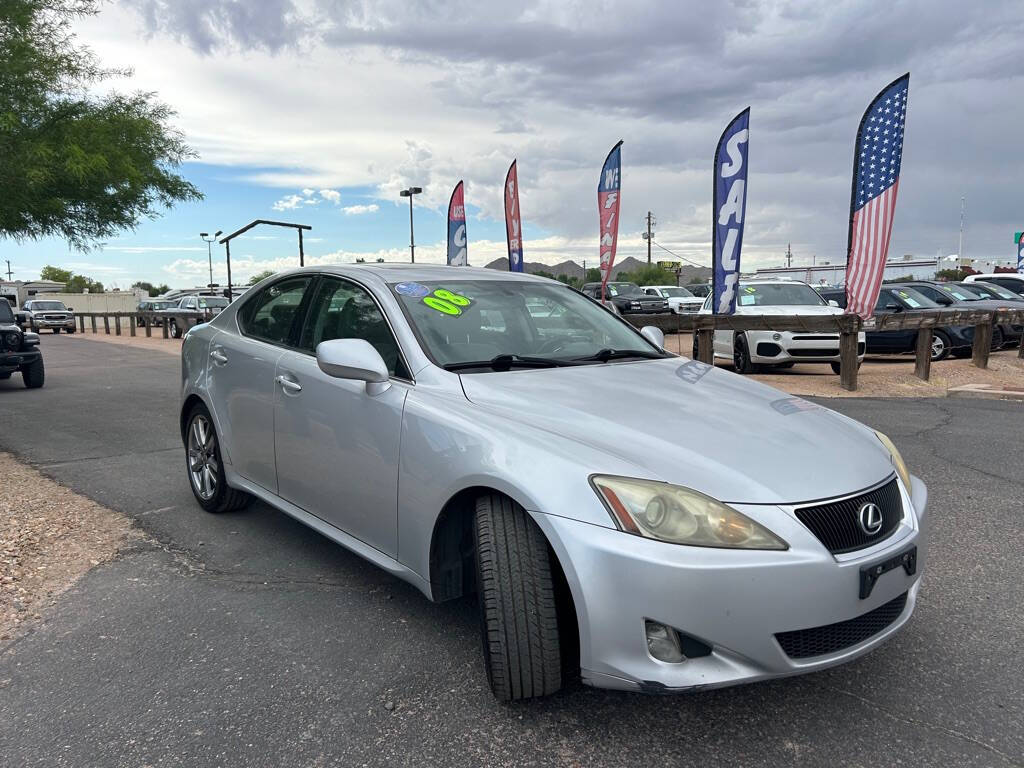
point(818, 641)
point(837, 523)
point(813, 352)
point(824, 337)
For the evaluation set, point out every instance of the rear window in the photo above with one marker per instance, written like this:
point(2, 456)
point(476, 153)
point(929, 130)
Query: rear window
point(778, 295)
point(6, 314)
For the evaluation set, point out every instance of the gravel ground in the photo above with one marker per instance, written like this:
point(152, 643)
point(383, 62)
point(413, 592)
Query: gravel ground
point(49, 537)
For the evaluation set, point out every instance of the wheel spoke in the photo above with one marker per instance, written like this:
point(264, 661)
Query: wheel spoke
point(195, 462)
point(211, 462)
point(197, 433)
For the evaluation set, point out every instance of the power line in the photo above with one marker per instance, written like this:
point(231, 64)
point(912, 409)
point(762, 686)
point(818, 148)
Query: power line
point(681, 258)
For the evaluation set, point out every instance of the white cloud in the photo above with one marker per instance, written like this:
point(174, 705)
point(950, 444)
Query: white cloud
point(331, 195)
point(359, 210)
point(291, 202)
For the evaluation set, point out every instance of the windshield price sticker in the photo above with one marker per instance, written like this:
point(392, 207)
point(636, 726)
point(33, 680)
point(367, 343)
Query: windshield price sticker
point(446, 302)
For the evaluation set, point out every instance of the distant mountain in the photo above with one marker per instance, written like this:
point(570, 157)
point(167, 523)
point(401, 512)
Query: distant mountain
point(688, 274)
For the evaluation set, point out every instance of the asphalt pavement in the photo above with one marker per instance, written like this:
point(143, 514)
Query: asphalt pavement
point(248, 640)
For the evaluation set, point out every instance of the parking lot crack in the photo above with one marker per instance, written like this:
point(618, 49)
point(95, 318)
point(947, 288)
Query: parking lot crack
point(951, 732)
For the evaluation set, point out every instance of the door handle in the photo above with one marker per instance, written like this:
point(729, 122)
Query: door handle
point(289, 385)
point(218, 356)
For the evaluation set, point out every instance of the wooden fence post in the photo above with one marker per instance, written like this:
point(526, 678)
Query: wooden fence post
point(106, 324)
point(93, 318)
point(982, 343)
point(81, 323)
point(117, 324)
point(849, 332)
point(923, 353)
point(704, 332)
point(164, 325)
point(133, 320)
point(149, 324)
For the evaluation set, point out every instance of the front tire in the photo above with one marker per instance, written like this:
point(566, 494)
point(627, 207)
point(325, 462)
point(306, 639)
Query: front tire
point(941, 346)
point(518, 610)
point(34, 374)
point(204, 466)
point(173, 328)
point(741, 355)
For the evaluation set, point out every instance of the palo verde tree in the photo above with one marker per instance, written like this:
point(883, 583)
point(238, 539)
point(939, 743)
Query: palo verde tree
point(74, 164)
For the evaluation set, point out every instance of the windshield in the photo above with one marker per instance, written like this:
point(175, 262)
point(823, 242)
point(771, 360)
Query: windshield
point(778, 295)
point(212, 302)
point(676, 293)
point(6, 314)
point(961, 293)
point(914, 299)
point(465, 321)
point(991, 289)
point(46, 306)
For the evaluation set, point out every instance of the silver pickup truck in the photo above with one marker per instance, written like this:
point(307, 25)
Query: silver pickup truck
point(48, 313)
point(190, 311)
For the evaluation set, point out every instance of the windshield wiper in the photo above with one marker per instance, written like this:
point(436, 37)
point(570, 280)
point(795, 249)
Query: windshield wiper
point(607, 354)
point(507, 362)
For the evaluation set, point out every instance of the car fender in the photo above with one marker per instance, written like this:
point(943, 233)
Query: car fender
point(450, 445)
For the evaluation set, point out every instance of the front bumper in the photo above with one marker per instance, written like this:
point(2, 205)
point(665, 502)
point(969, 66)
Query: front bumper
point(735, 601)
point(12, 361)
point(42, 322)
point(797, 347)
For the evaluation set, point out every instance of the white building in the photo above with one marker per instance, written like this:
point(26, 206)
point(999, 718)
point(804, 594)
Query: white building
point(910, 267)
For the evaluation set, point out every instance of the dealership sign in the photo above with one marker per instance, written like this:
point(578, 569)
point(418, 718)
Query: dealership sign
point(608, 187)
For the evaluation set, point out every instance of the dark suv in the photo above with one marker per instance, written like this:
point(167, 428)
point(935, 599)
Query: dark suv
point(628, 298)
point(19, 350)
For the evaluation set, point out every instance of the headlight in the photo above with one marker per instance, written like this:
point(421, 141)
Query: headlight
point(897, 460)
point(679, 515)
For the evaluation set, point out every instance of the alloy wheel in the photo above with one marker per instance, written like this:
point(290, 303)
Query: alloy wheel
point(203, 466)
point(938, 347)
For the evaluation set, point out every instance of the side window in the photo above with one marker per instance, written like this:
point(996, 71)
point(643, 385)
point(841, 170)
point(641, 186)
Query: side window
point(344, 310)
point(273, 313)
point(884, 298)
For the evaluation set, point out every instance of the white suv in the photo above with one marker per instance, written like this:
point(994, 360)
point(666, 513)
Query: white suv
point(1013, 281)
point(781, 349)
point(680, 300)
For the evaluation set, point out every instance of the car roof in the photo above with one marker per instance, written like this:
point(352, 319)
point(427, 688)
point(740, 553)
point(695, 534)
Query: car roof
point(397, 273)
point(772, 281)
point(1011, 275)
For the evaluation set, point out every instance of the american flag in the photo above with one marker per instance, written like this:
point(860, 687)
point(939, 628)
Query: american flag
point(876, 180)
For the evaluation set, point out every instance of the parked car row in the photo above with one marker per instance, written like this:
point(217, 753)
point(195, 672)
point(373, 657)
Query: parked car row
point(182, 312)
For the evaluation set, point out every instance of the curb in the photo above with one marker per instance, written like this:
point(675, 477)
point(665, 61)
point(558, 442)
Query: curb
point(985, 391)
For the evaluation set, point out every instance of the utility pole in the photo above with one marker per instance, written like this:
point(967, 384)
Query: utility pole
point(649, 234)
point(789, 254)
point(960, 248)
point(412, 241)
point(8, 270)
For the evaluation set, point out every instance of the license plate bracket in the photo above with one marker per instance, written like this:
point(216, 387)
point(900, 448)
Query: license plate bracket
point(869, 574)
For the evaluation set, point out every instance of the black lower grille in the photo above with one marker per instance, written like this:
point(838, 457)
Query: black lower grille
point(813, 351)
point(837, 524)
point(819, 641)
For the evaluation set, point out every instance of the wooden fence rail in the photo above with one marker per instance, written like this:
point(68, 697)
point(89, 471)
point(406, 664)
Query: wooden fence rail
point(848, 327)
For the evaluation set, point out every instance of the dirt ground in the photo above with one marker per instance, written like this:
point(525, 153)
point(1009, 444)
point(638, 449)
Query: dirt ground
point(882, 375)
point(49, 537)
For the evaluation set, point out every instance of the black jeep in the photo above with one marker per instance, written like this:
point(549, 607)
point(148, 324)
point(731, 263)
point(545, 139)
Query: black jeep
point(19, 350)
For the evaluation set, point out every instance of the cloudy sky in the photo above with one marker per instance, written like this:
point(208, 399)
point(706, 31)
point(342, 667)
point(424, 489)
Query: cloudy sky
point(319, 111)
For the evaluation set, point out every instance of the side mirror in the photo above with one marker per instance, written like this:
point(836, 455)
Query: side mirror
point(354, 359)
point(833, 303)
point(893, 307)
point(653, 335)
point(946, 302)
point(71, 309)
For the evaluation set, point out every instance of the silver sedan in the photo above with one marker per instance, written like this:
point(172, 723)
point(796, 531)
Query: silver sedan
point(639, 519)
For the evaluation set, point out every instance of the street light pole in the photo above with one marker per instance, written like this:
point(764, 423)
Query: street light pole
point(960, 247)
point(412, 241)
point(205, 236)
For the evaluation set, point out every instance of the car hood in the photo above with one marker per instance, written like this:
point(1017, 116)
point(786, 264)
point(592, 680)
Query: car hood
point(688, 423)
point(788, 309)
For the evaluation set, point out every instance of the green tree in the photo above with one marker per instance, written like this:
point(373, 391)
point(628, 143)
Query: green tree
point(72, 283)
point(149, 288)
point(956, 275)
point(593, 275)
point(260, 276)
point(543, 273)
point(56, 274)
point(650, 274)
point(77, 161)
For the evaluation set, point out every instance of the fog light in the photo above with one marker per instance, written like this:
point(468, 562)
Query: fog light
point(776, 336)
point(663, 642)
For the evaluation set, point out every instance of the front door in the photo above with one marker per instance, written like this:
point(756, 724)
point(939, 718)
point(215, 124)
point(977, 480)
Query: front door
point(336, 445)
point(241, 377)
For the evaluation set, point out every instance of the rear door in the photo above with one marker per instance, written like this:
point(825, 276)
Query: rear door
point(241, 376)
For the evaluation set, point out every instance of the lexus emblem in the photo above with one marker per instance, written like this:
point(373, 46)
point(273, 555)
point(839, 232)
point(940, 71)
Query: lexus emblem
point(870, 518)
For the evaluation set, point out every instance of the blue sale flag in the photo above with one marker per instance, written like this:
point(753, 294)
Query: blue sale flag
point(1020, 255)
point(729, 205)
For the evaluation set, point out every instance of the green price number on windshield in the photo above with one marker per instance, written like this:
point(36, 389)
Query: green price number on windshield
point(446, 302)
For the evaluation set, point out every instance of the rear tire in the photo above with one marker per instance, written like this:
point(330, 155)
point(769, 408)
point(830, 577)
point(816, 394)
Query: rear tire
point(941, 346)
point(837, 368)
point(5, 375)
point(223, 498)
point(997, 338)
point(518, 610)
point(173, 328)
point(56, 331)
point(34, 374)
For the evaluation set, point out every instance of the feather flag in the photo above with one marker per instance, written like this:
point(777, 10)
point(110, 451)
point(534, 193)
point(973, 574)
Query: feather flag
point(608, 211)
point(513, 225)
point(457, 255)
point(728, 208)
